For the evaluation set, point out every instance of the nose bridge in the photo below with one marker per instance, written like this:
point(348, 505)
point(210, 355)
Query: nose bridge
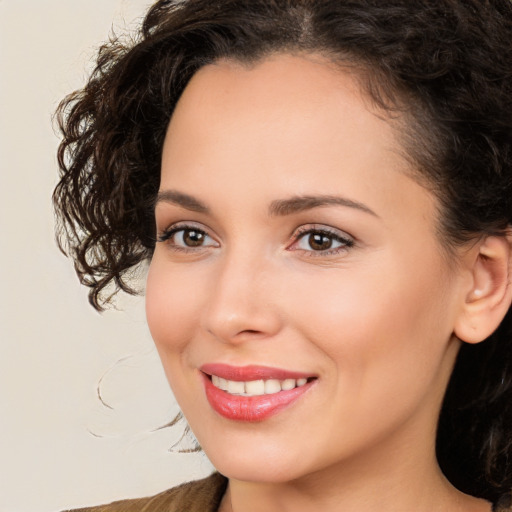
point(240, 301)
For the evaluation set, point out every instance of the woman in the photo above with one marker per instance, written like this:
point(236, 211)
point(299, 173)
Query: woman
point(323, 192)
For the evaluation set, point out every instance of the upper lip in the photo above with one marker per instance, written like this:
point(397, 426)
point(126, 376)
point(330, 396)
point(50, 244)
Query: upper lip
point(251, 372)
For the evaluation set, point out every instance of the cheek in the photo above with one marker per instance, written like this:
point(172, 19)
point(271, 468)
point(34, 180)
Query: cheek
point(383, 336)
point(385, 315)
point(171, 308)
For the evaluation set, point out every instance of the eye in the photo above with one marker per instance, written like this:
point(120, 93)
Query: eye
point(322, 241)
point(187, 238)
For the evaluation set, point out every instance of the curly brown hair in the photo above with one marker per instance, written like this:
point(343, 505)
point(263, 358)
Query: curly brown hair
point(445, 65)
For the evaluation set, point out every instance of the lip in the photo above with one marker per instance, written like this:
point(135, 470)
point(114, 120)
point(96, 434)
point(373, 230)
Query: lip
point(251, 408)
point(251, 372)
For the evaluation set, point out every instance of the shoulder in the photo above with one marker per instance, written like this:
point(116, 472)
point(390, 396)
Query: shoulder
point(198, 496)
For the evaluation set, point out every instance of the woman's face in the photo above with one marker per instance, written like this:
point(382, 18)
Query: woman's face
point(299, 298)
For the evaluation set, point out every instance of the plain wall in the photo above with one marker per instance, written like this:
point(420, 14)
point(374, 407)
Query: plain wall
point(60, 447)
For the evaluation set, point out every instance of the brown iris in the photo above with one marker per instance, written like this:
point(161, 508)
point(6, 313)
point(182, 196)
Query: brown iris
point(193, 238)
point(319, 242)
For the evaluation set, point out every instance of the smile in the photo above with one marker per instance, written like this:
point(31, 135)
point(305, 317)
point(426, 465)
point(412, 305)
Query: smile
point(252, 393)
point(256, 387)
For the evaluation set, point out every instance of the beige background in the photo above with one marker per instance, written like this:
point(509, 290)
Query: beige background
point(59, 446)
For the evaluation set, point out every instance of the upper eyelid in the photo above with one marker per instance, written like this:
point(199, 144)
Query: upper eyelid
point(346, 240)
point(163, 235)
point(166, 237)
point(322, 228)
point(174, 226)
point(294, 236)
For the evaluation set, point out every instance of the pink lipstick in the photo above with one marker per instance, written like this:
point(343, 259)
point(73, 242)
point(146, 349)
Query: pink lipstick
point(252, 393)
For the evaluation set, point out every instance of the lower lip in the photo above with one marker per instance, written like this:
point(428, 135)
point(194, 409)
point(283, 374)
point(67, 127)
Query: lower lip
point(250, 408)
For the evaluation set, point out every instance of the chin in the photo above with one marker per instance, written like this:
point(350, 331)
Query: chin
point(257, 471)
point(255, 460)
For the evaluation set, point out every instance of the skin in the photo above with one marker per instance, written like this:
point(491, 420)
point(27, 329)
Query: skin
point(373, 321)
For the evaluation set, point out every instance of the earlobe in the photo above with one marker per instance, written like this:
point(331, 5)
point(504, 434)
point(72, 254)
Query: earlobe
point(490, 295)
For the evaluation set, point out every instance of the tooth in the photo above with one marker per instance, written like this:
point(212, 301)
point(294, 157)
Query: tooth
point(288, 384)
point(236, 387)
point(272, 386)
point(255, 387)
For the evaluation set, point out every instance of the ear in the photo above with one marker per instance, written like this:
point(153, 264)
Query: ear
point(490, 294)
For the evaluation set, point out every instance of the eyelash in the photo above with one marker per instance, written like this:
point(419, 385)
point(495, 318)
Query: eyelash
point(167, 235)
point(345, 241)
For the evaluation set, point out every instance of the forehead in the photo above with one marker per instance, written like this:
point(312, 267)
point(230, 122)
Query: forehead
point(275, 88)
point(287, 125)
point(277, 101)
point(278, 79)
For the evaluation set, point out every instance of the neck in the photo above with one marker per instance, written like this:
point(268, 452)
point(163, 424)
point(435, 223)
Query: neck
point(369, 483)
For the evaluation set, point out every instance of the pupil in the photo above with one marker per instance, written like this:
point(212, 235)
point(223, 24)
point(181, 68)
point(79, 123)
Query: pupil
point(319, 242)
point(193, 238)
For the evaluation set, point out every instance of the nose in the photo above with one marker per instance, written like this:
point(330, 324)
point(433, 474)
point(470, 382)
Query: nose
point(241, 303)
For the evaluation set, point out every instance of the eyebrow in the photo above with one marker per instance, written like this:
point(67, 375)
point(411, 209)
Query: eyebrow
point(279, 207)
point(301, 203)
point(180, 199)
